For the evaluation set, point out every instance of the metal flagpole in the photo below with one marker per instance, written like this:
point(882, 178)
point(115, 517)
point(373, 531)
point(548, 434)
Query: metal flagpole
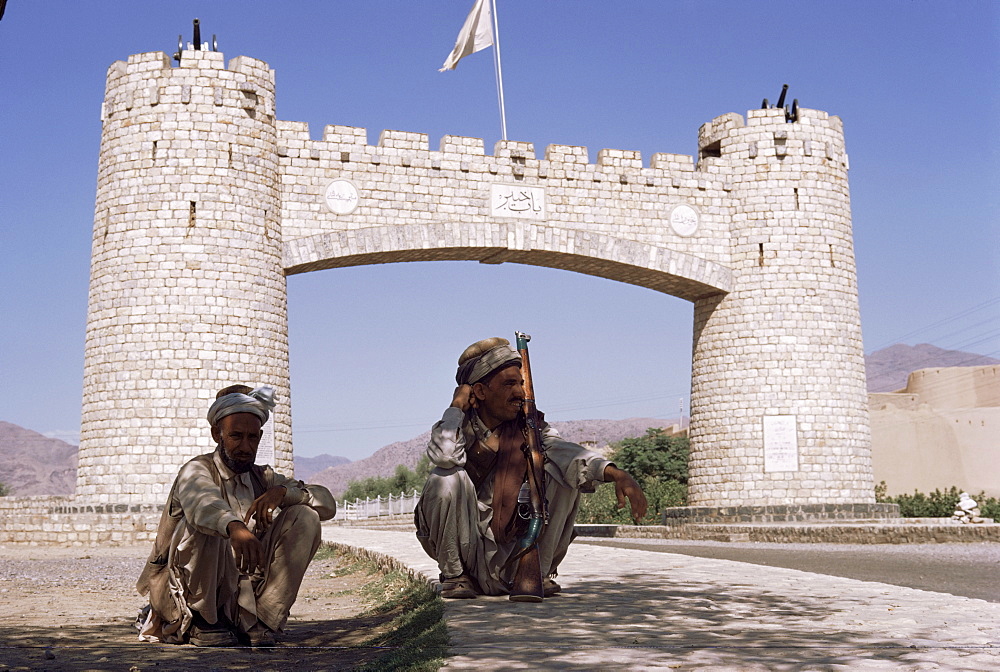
point(499, 70)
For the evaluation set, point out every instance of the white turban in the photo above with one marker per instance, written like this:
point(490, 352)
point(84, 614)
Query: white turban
point(260, 402)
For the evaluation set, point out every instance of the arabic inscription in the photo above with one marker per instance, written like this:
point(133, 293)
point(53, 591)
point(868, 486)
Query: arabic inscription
point(341, 197)
point(508, 200)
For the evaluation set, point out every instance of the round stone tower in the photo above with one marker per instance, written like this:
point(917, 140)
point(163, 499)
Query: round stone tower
point(187, 290)
point(778, 396)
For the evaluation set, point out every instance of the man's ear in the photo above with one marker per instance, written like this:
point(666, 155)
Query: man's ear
point(479, 389)
point(216, 434)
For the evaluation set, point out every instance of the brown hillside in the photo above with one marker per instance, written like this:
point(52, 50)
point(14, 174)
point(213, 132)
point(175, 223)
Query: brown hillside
point(32, 464)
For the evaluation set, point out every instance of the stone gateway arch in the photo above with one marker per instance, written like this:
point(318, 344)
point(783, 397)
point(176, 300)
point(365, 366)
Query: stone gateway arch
point(206, 202)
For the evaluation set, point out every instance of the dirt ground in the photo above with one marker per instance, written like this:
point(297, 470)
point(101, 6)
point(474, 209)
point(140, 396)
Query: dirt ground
point(74, 609)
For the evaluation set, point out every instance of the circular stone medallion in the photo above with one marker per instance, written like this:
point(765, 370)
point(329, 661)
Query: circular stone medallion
point(341, 197)
point(684, 220)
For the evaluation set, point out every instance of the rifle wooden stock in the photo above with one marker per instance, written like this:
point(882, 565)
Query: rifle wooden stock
point(527, 584)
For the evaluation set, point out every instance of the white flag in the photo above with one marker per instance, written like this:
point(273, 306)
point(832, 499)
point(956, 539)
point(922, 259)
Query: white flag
point(476, 34)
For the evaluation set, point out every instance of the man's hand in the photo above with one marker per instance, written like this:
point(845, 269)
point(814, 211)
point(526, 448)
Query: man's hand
point(263, 507)
point(625, 486)
point(464, 399)
point(247, 547)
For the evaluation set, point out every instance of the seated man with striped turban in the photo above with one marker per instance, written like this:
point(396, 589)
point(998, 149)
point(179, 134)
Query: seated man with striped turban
point(468, 512)
point(225, 567)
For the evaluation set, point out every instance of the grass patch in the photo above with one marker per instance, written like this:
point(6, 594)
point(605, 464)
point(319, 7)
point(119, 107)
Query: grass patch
point(328, 552)
point(415, 638)
point(417, 634)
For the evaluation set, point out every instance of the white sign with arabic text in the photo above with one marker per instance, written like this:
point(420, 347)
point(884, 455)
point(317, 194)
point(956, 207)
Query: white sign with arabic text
point(517, 200)
point(781, 443)
point(341, 196)
point(265, 450)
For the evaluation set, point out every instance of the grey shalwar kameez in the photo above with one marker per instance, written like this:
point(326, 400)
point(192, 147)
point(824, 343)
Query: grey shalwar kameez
point(453, 517)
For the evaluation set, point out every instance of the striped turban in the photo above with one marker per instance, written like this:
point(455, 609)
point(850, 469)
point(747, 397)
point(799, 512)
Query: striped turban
point(260, 402)
point(483, 358)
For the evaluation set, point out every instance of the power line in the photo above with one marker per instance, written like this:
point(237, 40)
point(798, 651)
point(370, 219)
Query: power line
point(945, 321)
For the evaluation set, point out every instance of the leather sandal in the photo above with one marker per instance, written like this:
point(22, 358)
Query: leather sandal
point(458, 588)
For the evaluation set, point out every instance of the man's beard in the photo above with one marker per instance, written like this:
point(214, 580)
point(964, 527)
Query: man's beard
point(236, 466)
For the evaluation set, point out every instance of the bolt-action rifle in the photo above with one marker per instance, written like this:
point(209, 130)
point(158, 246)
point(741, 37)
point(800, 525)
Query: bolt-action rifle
point(527, 584)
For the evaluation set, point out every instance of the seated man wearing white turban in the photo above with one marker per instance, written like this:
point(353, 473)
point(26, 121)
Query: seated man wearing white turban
point(467, 515)
point(214, 578)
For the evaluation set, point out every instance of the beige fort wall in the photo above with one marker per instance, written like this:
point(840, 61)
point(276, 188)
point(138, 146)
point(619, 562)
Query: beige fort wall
point(206, 201)
point(941, 430)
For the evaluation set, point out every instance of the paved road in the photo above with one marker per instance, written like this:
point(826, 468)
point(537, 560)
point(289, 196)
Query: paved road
point(629, 610)
point(971, 570)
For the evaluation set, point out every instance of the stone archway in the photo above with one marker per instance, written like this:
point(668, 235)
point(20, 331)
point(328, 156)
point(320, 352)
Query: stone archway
point(206, 202)
point(628, 261)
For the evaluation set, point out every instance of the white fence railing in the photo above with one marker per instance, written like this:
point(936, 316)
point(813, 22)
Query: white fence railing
point(378, 507)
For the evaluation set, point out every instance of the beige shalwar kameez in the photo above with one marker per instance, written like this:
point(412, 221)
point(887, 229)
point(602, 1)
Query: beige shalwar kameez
point(192, 566)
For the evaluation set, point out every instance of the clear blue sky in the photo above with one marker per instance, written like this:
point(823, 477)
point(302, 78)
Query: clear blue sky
point(374, 348)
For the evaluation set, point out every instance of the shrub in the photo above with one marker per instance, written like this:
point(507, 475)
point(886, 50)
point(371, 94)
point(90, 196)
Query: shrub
point(656, 454)
point(658, 462)
point(601, 507)
point(938, 504)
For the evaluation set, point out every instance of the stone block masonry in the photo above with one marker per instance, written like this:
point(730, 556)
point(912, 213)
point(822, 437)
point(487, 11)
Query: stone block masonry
point(206, 201)
point(187, 290)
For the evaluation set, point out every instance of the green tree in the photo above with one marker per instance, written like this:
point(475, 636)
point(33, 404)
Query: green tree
point(403, 480)
point(4, 490)
point(657, 454)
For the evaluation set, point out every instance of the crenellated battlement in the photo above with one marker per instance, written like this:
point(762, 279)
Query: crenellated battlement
point(295, 141)
point(765, 134)
point(348, 144)
point(151, 79)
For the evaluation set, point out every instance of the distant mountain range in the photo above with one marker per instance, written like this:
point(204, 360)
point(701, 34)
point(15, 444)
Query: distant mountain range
point(307, 466)
point(598, 433)
point(33, 464)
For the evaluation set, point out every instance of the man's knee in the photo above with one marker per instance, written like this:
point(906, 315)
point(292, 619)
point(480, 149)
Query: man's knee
point(447, 484)
point(303, 519)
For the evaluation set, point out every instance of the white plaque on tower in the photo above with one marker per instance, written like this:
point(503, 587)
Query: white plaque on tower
point(781, 443)
point(265, 450)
